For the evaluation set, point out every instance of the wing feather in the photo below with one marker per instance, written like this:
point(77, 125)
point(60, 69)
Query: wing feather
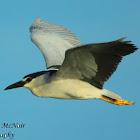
point(53, 41)
point(94, 63)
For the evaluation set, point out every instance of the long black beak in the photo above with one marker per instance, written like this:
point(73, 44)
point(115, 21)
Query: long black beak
point(16, 85)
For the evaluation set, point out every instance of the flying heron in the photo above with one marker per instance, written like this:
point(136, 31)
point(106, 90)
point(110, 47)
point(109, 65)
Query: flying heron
point(74, 70)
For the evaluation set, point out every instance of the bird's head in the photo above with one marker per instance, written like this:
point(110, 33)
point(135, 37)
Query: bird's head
point(32, 80)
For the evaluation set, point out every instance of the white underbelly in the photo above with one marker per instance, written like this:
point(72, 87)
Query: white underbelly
point(68, 89)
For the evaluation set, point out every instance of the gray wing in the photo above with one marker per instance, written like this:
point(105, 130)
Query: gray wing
point(94, 63)
point(53, 41)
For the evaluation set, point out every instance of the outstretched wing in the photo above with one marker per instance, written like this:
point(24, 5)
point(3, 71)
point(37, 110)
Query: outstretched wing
point(94, 63)
point(53, 41)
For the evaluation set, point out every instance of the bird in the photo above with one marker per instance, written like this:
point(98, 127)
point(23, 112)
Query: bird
point(74, 70)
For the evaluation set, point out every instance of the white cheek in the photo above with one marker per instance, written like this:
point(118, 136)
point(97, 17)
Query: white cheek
point(35, 83)
point(38, 81)
point(30, 84)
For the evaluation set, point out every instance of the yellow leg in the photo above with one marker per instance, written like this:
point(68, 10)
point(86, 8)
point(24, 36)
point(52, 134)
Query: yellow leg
point(115, 101)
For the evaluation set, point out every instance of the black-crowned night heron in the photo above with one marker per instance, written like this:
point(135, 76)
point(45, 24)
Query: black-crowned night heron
point(75, 71)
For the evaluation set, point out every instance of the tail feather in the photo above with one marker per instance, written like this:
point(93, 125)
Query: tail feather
point(111, 95)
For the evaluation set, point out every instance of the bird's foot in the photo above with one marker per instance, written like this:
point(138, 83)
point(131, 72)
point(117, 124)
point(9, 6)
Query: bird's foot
point(122, 102)
point(115, 101)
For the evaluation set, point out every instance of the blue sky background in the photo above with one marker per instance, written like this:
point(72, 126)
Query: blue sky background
point(52, 119)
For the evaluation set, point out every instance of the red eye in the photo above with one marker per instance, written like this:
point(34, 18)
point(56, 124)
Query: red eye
point(29, 79)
